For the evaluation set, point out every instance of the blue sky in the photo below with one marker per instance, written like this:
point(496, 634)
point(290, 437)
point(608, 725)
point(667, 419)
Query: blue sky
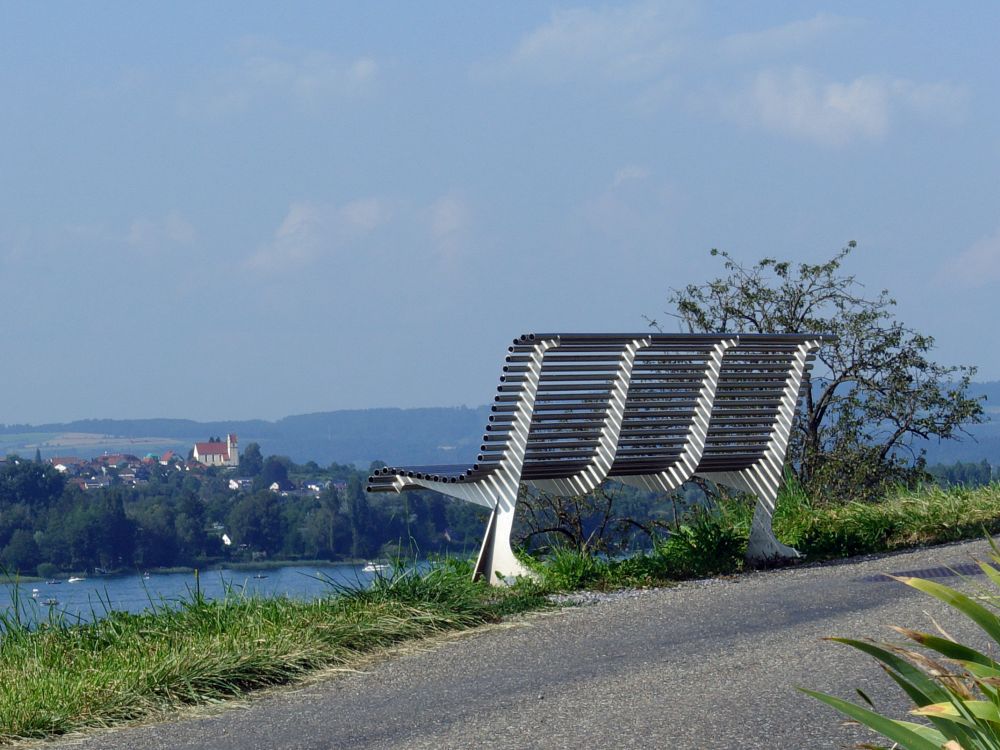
point(227, 211)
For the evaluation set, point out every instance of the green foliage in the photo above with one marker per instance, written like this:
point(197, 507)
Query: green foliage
point(177, 518)
point(59, 677)
point(252, 461)
point(711, 542)
point(904, 518)
point(953, 687)
point(875, 394)
point(569, 569)
point(967, 474)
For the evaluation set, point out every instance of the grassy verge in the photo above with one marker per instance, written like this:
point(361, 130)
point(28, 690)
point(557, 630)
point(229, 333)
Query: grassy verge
point(713, 542)
point(56, 677)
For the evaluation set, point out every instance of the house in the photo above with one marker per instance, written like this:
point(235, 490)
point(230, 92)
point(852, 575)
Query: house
point(97, 483)
point(67, 464)
point(218, 453)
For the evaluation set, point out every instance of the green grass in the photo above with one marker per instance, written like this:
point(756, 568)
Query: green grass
point(57, 677)
point(713, 541)
point(904, 519)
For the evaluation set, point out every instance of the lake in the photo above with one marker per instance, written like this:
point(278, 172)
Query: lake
point(92, 597)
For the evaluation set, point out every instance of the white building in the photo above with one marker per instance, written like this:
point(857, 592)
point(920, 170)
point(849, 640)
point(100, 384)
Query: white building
point(218, 454)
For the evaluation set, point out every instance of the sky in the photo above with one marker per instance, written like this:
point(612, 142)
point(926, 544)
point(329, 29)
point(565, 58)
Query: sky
point(249, 210)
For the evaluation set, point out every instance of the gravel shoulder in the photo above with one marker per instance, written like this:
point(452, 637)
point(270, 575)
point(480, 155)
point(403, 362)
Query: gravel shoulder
point(705, 664)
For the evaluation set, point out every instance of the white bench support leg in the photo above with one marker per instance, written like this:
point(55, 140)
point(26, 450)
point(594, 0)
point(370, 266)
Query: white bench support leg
point(763, 546)
point(496, 561)
point(765, 476)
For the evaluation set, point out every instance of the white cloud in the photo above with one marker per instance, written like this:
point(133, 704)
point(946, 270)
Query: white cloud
point(629, 173)
point(264, 71)
point(799, 103)
point(448, 216)
point(311, 231)
point(780, 39)
point(612, 43)
point(152, 235)
point(448, 221)
point(979, 265)
point(632, 205)
point(659, 55)
point(363, 215)
point(395, 232)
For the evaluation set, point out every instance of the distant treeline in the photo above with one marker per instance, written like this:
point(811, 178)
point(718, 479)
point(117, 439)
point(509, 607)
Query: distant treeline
point(183, 518)
point(967, 474)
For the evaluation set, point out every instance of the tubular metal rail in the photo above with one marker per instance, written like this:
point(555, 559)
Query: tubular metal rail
point(649, 410)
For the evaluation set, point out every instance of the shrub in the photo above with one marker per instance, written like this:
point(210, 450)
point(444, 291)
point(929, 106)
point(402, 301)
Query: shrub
point(954, 687)
point(712, 541)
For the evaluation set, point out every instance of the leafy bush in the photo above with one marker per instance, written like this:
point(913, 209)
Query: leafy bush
point(712, 541)
point(954, 687)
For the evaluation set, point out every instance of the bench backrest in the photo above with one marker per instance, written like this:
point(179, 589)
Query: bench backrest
point(572, 409)
point(756, 400)
point(578, 406)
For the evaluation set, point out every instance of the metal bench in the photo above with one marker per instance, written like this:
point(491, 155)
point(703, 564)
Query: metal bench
point(650, 410)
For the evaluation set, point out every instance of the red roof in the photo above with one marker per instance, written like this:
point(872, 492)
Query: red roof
point(212, 449)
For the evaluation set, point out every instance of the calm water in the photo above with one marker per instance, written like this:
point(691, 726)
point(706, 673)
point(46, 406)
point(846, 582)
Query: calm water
point(134, 593)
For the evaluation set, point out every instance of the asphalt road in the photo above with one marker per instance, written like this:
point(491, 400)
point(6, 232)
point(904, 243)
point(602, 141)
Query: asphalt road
point(704, 665)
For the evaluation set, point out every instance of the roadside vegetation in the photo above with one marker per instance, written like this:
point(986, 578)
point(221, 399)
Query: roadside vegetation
point(954, 688)
point(57, 677)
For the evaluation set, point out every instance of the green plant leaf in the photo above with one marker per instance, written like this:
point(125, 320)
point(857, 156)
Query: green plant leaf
point(984, 618)
point(904, 733)
point(982, 710)
point(992, 573)
point(921, 688)
point(950, 649)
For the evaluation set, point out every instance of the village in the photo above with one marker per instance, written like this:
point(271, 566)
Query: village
point(210, 457)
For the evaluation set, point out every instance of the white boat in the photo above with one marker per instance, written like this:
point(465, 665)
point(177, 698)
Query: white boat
point(77, 579)
point(374, 567)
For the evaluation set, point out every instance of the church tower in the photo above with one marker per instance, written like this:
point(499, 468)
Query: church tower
point(232, 450)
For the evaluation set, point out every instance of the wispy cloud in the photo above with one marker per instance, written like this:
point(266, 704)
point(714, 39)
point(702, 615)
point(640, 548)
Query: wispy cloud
point(448, 220)
point(784, 38)
point(629, 173)
point(609, 43)
point(311, 231)
point(151, 235)
point(632, 204)
point(262, 71)
point(659, 56)
point(979, 265)
point(800, 103)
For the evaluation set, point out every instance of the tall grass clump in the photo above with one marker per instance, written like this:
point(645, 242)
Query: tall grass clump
point(57, 677)
point(709, 541)
point(954, 688)
point(904, 518)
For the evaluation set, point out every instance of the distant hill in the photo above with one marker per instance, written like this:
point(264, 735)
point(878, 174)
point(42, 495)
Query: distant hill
point(403, 436)
point(983, 440)
point(414, 436)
